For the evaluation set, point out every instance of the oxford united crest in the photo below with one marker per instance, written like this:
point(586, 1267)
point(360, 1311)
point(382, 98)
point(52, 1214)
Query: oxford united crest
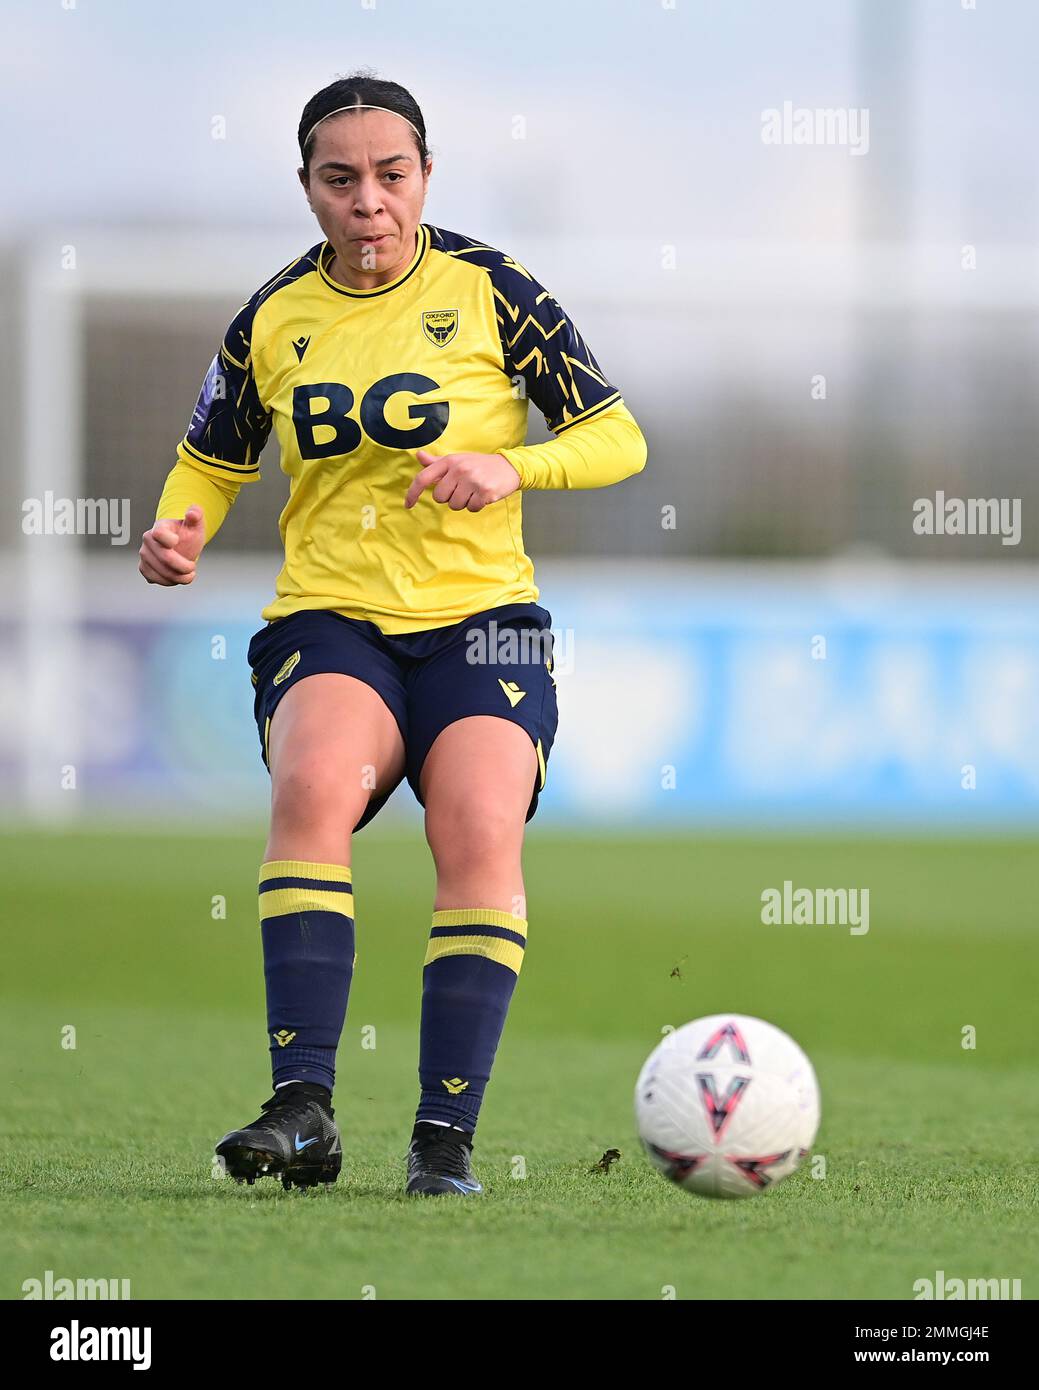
point(440, 325)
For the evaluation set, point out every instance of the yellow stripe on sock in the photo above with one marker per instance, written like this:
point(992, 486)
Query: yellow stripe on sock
point(479, 917)
point(298, 868)
point(506, 953)
point(279, 901)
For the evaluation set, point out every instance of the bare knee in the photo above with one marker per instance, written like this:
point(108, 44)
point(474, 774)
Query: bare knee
point(311, 793)
point(469, 832)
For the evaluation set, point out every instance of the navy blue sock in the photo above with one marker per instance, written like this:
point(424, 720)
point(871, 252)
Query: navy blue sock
point(307, 925)
point(471, 968)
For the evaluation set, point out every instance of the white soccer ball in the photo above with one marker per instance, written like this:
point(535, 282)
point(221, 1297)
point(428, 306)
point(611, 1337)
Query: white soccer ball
point(727, 1106)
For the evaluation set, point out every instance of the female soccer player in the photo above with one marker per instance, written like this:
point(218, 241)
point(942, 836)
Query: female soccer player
point(394, 360)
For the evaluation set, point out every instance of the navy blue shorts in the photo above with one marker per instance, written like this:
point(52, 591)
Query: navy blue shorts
point(496, 662)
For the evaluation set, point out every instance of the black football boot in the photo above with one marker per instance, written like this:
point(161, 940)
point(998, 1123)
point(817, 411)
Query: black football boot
point(295, 1139)
point(438, 1162)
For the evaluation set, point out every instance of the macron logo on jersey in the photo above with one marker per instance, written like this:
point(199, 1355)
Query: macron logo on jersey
point(301, 344)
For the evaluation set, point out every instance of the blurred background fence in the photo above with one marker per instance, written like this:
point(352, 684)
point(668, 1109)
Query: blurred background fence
point(812, 336)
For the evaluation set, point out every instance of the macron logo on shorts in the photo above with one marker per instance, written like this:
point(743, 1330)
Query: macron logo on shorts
point(513, 691)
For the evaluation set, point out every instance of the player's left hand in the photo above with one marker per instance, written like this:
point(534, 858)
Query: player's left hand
point(466, 482)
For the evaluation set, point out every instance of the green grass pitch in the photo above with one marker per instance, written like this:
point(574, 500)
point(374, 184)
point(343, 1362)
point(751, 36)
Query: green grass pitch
point(929, 1147)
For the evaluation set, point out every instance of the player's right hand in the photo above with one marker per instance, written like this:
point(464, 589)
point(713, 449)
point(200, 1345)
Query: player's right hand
point(169, 550)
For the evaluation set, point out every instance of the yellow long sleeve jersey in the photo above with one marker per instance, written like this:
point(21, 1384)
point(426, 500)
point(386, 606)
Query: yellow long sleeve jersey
point(445, 357)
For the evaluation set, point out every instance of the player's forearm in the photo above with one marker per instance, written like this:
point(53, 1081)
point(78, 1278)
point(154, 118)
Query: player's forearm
point(187, 486)
point(594, 453)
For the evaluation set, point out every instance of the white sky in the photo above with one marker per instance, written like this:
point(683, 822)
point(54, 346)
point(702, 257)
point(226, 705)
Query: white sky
point(641, 118)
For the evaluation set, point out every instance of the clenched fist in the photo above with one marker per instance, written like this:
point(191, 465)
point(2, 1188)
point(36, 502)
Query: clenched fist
point(170, 549)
